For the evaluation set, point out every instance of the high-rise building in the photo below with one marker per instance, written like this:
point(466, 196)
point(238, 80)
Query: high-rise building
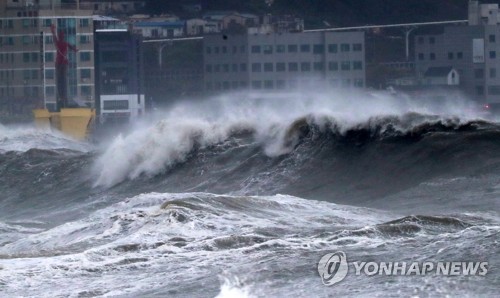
point(473, 50)
point(119, 75)
point(284, 60)
point(27, 53)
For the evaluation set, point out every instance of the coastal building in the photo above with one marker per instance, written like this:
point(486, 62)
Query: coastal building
point(27, 54)
point(284, 60)
point(118, 76)
point(473, 51)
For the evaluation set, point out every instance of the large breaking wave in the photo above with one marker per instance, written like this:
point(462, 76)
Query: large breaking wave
point(277, 124)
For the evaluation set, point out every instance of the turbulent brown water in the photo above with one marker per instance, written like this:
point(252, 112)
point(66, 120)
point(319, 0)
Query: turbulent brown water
point(242, 196)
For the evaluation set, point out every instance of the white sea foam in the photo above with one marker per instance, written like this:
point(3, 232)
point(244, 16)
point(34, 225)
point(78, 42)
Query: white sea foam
point(24, 138)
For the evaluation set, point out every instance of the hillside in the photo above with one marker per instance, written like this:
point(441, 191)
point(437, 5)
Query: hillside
point(335, 12)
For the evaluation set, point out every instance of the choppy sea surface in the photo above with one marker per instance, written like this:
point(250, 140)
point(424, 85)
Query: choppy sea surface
point(240, 196)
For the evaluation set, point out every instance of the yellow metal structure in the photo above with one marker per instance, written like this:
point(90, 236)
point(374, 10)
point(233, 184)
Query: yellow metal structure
point(76, 122)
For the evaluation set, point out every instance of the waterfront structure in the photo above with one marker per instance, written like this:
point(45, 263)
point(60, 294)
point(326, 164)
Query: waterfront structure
point(284, 60)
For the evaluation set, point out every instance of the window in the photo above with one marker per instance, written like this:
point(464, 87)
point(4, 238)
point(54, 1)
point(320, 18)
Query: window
point(420, 39)
point(208, 68)
point(243, 67)
point(47, 22)
point(49, 57)
point(292, 48)
point(432, 56)
point(432, 40)
point(209, 86)
point(268, 84)
point(492, 38)
point(26, 74)
point(256, 85)
point(280, 66)
point(493, 73)
point(85, 73)
point(242, 49)
point(358, 83)
point(49, 74)
point(280, 48)
point(224, 50)
point(243, 84)
point(357, 65)
point(84, 39)
point(357, 47)
point(493, 54)
point(304, 48)
point(318, 49)
point(26, 57)
point(84, 23)
point(345, 47)
point(318, 66)
point(208, 50)
point(332, 48)
point(217, 68)
point(268, 67)
point(460, 55)
point(479, 90)
point(34, 74)
point(450, 55)
point(84, 56)
point(479, 73)
point(255, 49)
point(305, 66)
point(26, 23)
point(235, 50)
point(293, 66)
point(112, 104)
point(34, 57)
point(50, 90)
point(226, 85)
point(333, 66)
point(235, 68)
point(216, 50)
point(268, 49)
point(225, 67)
point(26, 39)
point(345, 65)
point(256, 67)
point(421, 56)
point(49, 39)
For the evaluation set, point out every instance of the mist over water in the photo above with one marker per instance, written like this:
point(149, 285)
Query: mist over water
point(239, 195)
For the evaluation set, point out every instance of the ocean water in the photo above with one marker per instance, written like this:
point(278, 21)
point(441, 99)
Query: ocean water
point(241, 195)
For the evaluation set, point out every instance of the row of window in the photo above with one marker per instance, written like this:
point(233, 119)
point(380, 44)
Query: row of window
point(291, 48)
point(33, 23)
point(28, 57)
point(451, 56)
point(35, 91)
point(32, 74)
point(282, 66)
point(278, 84)
point(34, 40)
